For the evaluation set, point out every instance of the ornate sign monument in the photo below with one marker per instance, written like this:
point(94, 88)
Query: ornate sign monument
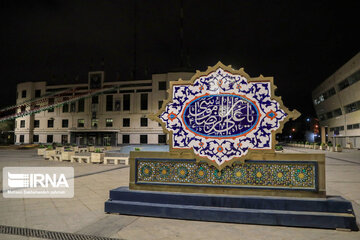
point(223, 114)
point(218, 123)
point(222, 125)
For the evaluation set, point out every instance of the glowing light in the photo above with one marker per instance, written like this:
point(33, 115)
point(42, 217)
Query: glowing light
point(293, 129)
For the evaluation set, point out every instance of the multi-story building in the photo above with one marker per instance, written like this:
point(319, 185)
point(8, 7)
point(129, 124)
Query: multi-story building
point(337, 104)
point(118, 116)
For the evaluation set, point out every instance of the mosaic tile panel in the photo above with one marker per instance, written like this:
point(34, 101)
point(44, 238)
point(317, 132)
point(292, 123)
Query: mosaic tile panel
point(255, 174)
point(222, 115)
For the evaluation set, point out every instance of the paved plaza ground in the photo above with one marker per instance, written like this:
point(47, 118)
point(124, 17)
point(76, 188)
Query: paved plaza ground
point(85, 212)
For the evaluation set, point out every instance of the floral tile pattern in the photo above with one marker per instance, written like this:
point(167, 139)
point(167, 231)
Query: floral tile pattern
point(222, 116)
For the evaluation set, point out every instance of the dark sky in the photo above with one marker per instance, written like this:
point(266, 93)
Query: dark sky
point(300, 43)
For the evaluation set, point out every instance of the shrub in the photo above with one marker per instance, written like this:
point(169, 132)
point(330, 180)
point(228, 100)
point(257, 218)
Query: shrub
point(330, 144)
point(322, 144)
point(137, 149)
point(338, 145)
point(42, 146)
point(278, 148)
point(98, 150)
point(50, 147)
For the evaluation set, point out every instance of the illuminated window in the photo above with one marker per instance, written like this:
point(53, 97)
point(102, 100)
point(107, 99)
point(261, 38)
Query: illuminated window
point(94, 123)
point(109, 122)
point(352, 107)
point(81, 123)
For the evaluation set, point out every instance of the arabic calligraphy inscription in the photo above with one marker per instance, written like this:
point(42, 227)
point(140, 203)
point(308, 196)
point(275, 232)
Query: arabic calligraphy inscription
point(222, 115)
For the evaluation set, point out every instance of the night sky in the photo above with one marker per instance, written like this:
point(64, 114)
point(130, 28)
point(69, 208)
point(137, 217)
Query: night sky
point(300, 43)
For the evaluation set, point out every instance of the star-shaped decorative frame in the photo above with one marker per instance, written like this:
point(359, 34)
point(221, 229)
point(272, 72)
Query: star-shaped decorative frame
point(222, 115)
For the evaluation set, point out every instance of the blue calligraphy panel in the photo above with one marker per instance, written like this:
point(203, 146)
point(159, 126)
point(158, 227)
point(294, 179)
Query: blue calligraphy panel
point(223, 115)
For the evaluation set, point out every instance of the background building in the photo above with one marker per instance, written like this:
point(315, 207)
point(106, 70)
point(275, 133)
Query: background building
point(337, 104)
point(7, 132)
point(114, 117)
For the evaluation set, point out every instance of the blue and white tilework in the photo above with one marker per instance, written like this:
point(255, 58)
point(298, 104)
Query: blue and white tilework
point(222, 115)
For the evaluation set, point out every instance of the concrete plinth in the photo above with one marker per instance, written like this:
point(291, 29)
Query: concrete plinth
point(330, 212)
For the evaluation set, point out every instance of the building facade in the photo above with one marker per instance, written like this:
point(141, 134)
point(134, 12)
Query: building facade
point(337, 104)
point(117, 116)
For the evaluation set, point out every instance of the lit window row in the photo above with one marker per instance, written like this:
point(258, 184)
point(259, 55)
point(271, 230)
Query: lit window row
point(352, 107)
point(324, 96)
point(353, 78)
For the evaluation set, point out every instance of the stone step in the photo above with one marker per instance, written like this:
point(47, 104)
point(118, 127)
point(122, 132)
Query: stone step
point(332, 212)
point(329, 204)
